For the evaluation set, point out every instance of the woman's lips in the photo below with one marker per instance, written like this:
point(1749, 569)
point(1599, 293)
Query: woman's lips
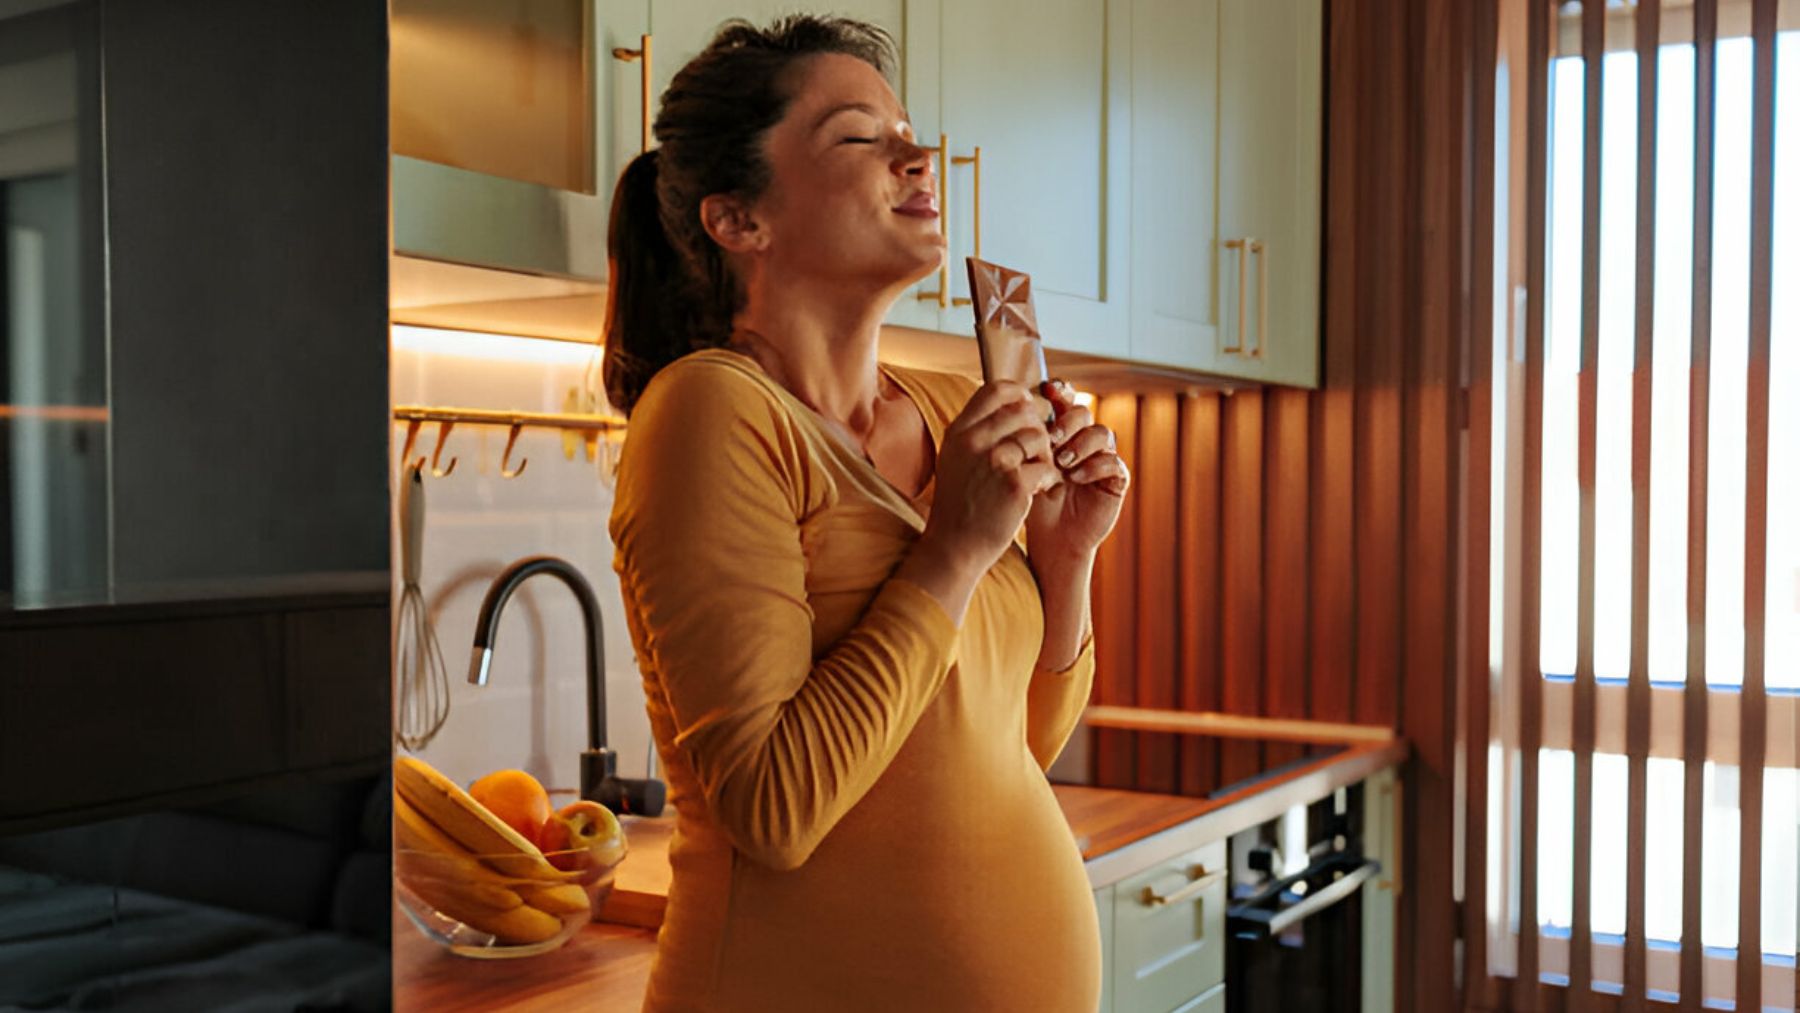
point(920, 205)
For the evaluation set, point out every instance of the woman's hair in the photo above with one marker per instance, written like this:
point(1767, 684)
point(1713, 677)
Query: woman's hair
point(671, 291)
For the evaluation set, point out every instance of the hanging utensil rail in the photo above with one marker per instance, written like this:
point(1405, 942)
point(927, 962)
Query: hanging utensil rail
point(415, 416)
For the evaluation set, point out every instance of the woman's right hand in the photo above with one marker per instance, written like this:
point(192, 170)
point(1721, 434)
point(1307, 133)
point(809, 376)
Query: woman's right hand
point(994, 458)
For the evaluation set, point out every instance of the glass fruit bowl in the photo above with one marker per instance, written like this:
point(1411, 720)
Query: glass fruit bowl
point(499, 906)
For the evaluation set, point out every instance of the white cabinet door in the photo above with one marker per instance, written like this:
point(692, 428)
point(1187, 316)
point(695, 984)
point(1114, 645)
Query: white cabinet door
point(1270, 199)
point(619, 104)
point(1042, 87)
point(1175, 302)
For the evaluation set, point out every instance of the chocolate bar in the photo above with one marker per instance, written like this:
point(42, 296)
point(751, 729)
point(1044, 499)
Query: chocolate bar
point(1006, 327)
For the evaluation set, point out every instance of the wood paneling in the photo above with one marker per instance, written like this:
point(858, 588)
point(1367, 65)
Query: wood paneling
point(1286, 540)
point(1240, 566)
point(1158, 612)
point(1316, 534)
point(1115, 608)
point(1197, 557)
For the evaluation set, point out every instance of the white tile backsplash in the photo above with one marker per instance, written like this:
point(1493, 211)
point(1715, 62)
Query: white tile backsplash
point(533, 712)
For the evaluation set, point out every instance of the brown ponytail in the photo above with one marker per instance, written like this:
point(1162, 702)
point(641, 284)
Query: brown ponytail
point(670, 290)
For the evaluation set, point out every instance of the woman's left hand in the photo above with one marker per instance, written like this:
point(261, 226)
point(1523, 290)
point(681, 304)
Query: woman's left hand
point(1072, 518)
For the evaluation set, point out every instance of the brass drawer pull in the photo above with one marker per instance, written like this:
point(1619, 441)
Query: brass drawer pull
point(641, 53)
point(974, 160)
point(1258, 251)
point(1199, 885)
point(1242, 246)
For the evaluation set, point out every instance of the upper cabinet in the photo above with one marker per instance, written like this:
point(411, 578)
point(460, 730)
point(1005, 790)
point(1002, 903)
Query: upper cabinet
point(1154, 165)
point(1226, 188)
point(1271, 96)
point(510, 124)
point(1033, 103)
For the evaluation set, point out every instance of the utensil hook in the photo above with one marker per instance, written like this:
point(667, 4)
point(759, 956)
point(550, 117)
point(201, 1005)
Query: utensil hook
point(412, 437)
point(443, 437)
point(506, 458)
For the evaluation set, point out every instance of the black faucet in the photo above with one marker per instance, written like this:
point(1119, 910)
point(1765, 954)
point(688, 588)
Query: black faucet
point(599, 765)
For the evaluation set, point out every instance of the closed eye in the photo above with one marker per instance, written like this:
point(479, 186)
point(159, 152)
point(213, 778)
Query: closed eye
point(858, 140)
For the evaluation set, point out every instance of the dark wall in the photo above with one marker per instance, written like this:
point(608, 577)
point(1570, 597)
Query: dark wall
point(247, 202)
point(244, 282)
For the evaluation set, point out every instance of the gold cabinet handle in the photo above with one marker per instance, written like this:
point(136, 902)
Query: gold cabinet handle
point(1201, 882)
point(1258, 251)
point(972, 160)
point(942, 295)
point(642, 53)
point(1242, 246)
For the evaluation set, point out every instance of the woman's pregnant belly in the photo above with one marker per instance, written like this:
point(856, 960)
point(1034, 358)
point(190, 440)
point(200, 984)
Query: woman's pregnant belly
point(947, 888)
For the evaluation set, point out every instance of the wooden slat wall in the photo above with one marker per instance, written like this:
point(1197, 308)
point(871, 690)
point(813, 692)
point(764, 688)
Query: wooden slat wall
point(1477, 545)
point(1693, 857)
point(1523, 988)
point(1736, 731)
point(1587, 454)
point(1314, 533)
point(1753, 733)
point(1637, 806)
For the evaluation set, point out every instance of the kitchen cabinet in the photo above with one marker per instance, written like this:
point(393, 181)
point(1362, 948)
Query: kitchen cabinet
point(1226, 187)
point(1103, 906)
point(1212, 1002)
point(1169, 931)
point(1042, 92)
point(511, 123)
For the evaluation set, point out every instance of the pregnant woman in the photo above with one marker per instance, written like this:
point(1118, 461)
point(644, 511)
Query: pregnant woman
point(858, 593)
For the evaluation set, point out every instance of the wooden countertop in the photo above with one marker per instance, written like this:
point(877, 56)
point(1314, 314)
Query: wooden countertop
point(604, 967)
point(607, 965)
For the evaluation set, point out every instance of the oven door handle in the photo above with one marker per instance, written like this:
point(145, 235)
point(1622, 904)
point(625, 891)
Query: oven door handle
point(1251, 920)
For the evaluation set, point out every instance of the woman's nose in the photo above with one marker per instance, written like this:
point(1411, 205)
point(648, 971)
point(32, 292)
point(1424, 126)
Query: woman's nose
point(913, 160)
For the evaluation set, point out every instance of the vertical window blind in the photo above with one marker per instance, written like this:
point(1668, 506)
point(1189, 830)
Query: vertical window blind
point(1633, 624)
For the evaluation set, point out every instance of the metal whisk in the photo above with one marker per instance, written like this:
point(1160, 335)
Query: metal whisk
point(422, 683)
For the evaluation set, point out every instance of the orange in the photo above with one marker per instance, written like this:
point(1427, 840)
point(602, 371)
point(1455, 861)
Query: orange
point(516, 798)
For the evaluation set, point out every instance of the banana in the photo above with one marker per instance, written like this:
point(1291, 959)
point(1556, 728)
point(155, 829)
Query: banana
point(567, 898)
point(443, 858)
point(520, 924)
point(469, 824)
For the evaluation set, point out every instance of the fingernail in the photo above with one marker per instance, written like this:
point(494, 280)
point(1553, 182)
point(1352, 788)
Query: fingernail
point(1065, 458)
point(1056, 435)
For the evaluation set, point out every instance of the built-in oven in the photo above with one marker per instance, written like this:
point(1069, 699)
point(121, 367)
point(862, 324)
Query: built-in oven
point(1295, 917)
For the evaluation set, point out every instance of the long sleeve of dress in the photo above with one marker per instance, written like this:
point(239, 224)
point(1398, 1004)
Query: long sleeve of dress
point(712, 489)
point(1053, 705)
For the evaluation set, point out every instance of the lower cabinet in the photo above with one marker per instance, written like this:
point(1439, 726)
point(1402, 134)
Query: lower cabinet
point(1212, 1002)
point(1103, 904)
point(1163, 936)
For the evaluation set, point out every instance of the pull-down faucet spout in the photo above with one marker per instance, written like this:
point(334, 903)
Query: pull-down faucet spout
point(599, 779)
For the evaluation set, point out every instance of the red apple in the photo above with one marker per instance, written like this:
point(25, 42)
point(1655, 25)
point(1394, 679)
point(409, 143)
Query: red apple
point(582, 835)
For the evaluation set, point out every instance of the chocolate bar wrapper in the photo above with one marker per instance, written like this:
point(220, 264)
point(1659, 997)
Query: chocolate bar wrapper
point(1006, 328)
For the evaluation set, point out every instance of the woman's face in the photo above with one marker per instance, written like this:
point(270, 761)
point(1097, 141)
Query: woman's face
point(851, 196)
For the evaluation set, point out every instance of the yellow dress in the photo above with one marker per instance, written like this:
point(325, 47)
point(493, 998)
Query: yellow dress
point(863, 821)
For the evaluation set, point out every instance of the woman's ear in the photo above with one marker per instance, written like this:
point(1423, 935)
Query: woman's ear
point(731, 224)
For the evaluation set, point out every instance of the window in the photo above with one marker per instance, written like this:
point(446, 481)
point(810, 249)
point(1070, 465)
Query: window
point(1728, 436)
